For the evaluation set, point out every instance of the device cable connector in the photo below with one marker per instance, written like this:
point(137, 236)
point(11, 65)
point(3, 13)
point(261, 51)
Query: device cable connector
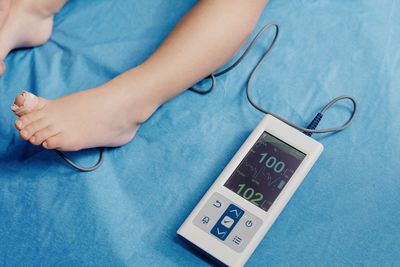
point(314, 123)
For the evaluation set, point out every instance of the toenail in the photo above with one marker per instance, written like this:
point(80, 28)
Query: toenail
point(24, 133)
point(18, 123)
point(14, 107)
point(33, 139)
point(45, 144)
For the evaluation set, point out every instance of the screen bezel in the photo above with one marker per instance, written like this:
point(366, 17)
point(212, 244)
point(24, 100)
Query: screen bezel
point(287, 134)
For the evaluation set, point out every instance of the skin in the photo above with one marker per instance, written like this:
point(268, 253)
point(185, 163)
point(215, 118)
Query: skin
point(109, 115)
point(25, 23)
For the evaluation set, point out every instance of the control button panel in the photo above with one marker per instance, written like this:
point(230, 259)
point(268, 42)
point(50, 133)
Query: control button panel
point(227, 222)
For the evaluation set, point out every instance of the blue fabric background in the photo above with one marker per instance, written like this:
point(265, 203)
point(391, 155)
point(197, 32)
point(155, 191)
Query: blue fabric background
point(126, 214)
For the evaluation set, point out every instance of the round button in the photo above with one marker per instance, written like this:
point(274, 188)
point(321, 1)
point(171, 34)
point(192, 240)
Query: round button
point(249, 223)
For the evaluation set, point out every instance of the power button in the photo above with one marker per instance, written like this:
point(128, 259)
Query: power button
point(249, 223)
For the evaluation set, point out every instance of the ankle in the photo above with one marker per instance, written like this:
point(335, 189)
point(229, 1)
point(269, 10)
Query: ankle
point(145, 112)
point(136, 103)
point(140, 105)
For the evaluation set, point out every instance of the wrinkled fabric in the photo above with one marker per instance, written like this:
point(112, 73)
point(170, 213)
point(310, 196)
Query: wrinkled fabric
point(346, 212)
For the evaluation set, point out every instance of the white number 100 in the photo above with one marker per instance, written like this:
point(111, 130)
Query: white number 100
point(272, 163)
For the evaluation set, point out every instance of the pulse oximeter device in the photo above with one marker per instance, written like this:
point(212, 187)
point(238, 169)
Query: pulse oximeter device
point(240, 207)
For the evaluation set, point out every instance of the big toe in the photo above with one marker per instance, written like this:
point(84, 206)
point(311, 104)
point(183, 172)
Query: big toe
point(26, 103)
point(19, 100)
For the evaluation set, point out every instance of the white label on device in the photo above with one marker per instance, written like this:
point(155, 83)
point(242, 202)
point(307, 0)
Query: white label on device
point(240, 207)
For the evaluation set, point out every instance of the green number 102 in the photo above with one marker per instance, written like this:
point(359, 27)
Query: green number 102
point(250, 194)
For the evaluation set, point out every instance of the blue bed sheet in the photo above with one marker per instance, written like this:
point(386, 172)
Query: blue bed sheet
point(346, 213)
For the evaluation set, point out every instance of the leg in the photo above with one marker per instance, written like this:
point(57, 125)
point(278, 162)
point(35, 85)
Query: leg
point(25, 23)
point(109, 115)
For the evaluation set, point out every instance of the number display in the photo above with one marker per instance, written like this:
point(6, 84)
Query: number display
point(264, 171)
point(250, 194)
point(272, 163)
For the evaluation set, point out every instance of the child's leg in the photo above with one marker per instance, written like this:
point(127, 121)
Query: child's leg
point(109, 115)
point(25, 23)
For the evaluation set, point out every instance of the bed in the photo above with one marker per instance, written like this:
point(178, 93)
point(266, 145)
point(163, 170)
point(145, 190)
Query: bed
point(345, 213)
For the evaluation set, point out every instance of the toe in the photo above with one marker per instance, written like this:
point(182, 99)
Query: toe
point(54, 142)
point(39, 137)
point(25, 120)
point(62, 142)
point(31, 129)
point(26, 103)
point(19, 100)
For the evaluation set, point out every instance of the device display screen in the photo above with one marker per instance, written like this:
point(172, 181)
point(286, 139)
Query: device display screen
point(265, 171)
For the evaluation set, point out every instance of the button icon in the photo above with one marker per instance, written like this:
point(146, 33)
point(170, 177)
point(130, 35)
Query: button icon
point(237, 240)
point(205, 220)
point(227, 222)
point(221, 234)
point(235, 213)
point(217, 204)
point(249, 223)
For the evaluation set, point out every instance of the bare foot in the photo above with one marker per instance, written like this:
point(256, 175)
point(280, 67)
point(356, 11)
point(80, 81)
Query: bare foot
point(25, 23)
point(105, 116)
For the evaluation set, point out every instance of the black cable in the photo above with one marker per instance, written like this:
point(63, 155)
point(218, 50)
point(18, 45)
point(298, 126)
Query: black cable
point(311, 128)
point(212, 76)
point(80, 168)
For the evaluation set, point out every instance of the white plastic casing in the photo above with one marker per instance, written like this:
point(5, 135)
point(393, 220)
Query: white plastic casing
point(210, 243)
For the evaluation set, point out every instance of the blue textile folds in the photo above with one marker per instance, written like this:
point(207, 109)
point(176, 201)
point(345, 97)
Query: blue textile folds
point(126, 214)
